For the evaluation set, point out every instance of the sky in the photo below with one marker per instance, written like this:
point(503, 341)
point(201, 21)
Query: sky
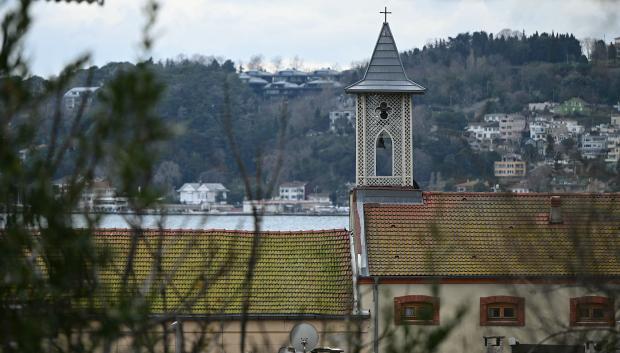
point(324, 33)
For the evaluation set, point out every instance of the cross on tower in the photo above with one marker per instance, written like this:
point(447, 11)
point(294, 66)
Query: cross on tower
point(385, 13)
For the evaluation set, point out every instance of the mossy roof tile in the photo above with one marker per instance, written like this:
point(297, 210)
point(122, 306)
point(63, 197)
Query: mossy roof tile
point(296, 272)
point(493, 234)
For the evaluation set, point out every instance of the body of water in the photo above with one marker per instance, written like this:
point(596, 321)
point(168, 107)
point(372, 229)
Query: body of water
point(230, 222)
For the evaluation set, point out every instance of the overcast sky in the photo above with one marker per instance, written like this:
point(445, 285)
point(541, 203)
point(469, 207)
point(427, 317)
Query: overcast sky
point(323, 32)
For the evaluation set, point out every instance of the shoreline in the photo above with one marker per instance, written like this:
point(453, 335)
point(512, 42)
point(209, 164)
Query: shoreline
point(154, 213)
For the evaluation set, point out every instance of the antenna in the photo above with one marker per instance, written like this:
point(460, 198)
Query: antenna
point(304, 337)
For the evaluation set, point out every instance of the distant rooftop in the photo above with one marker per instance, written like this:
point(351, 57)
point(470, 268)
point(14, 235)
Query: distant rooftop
point(77, 91)
point(293, 184)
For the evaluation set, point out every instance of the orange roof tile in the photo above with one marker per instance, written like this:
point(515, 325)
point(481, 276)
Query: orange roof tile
point(491, 234)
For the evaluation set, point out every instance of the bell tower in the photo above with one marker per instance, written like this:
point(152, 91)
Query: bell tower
point(384, 118)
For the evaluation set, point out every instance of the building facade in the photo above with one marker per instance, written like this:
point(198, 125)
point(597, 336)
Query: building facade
point(484, 131)
point(511, 127)
point(510, 166)
point(202, 193)
point(295, 190)
point(486, 265)
point(341, 120)
point(77, 96)
point(593, 146)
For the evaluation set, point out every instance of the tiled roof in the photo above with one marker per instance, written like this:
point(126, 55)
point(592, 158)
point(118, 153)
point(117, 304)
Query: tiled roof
point(491, 235)
point(296, 273)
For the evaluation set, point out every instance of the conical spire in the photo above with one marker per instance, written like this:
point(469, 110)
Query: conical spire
point(385, 72)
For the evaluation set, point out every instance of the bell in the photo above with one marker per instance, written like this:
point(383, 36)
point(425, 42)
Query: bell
point(380, 142)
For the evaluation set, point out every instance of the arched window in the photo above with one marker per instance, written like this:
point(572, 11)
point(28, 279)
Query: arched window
point(502, 310)
point(416, 310)
point(384, 154)
point(592, 311)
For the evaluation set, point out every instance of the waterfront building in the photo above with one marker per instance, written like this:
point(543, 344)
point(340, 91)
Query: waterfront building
point(294, 190)
point(202, 193)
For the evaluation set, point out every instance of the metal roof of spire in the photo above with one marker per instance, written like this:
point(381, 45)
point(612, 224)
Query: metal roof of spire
point(385, 72)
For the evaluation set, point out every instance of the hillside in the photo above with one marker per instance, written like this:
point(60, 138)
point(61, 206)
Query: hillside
point(466, 76)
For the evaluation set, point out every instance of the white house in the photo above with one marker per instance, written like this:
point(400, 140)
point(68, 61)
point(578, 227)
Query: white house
point(542, 106)
point(294, 190)
point(538, 130)
point(484, 131)
point(573, 127)
point(593, 146)
point(613, 149)
point(494, 117)
point(341, 118)
point(73, 97)
point(202, 193)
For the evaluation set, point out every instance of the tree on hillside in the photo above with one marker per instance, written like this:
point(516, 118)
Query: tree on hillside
point(550, 147)
point(599, 52)
point(612, 53)
point(256, 62)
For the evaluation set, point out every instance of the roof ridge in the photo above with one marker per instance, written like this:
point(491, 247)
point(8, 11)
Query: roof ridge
point(215, 231)
point(522, 195)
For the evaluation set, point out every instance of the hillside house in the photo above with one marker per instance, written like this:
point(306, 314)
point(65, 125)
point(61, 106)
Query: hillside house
point(541, 106)
point(325, 74)
point(487, 131)
point(539, 130)
point(468, 186)
point(76, 96)
point(511, 166)
point(593, 146)
point(511, 127)
point(291, 75)
point(341, 120)
point(571, 106)
point(613, 149)
point(494, 117)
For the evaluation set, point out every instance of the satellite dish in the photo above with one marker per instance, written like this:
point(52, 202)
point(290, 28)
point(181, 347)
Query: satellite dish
point(304, 337)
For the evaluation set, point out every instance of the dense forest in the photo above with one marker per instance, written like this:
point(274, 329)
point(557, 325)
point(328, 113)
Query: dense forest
point(466, 76)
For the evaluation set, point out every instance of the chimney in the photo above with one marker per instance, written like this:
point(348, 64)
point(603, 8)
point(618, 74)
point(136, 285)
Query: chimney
point(555, 213)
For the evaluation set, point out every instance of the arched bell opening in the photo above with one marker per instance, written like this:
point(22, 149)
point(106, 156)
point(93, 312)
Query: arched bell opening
point(384, 155)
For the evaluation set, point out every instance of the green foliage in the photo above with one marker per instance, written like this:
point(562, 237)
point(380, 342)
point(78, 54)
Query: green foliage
point(455, 121)
point(49, 270)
